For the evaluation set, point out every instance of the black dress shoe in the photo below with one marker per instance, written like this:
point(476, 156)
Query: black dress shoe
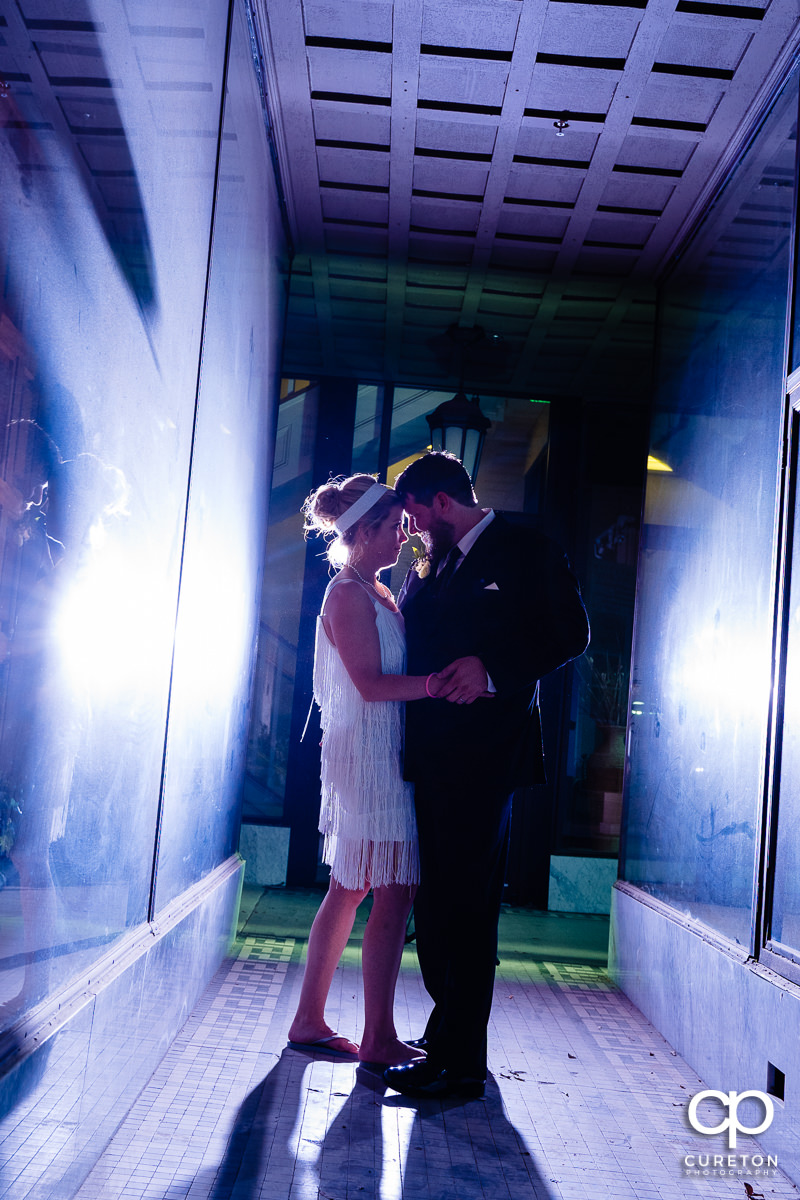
point(418, 1043)
point(424, 1078)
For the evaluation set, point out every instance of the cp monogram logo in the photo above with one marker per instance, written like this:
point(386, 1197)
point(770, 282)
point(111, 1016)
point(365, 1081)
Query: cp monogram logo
point(731, 1101)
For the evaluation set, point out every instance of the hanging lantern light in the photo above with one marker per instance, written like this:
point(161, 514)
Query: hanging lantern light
point(459, 426)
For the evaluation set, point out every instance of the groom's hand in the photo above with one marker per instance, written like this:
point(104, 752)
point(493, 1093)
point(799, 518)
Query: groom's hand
point(463, 681)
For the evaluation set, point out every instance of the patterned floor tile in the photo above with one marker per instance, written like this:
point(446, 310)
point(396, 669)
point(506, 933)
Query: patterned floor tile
point(585, 1100)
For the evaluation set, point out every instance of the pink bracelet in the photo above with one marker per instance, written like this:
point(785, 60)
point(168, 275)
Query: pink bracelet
point(427, 689)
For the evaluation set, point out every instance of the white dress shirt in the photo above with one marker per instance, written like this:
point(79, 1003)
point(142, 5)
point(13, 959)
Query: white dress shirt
point(471, 536)
point(465, 545)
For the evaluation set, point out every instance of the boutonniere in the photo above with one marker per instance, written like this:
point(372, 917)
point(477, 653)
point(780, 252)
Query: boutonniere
point(421, 563)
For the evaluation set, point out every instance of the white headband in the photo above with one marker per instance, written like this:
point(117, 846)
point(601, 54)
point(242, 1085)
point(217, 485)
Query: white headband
point(363, 504)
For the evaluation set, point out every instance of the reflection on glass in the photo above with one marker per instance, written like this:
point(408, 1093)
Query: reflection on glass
point(61, 660)
point(704, 618)
point(785, 924)
point(226, 514)
point(104, 236)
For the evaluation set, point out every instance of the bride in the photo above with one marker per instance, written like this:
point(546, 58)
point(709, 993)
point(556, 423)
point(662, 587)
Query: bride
point(367, 811)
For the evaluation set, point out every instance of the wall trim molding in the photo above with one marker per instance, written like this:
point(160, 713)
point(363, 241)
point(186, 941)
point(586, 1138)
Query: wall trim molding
point(711, 937)
point(39, 1024)
point(692, 924)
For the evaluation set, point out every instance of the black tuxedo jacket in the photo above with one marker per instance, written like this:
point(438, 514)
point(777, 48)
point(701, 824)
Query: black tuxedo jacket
point(515, 604)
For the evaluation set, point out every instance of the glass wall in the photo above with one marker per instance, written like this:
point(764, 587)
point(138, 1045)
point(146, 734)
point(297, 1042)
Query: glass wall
point(614, 454)
point(702, 661)
point(784, 919)
point(227, 510)
point(110, 434)
point(279, 629)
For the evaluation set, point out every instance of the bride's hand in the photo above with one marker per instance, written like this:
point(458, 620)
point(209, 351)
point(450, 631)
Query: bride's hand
point(463, 681)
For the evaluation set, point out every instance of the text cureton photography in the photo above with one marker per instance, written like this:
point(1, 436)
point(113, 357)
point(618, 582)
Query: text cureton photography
point(730, 1164)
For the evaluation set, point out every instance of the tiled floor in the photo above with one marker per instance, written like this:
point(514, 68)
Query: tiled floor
point(585, 1100)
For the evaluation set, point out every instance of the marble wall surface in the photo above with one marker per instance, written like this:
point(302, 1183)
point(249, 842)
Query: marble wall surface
point(265, 850)
point(730, 1018)
point(581, 885)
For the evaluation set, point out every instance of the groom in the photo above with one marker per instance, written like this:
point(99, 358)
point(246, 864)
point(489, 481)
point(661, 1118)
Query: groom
point(501, 606)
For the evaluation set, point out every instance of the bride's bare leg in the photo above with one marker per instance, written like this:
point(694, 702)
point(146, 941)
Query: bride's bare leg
point(384, 938)
point(329, 933)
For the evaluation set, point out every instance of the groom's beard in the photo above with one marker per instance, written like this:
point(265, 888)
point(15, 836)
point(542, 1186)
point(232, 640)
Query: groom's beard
point(438, 539)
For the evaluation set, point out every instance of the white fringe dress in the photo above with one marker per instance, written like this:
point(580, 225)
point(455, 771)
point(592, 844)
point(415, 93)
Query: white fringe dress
point(367, 810)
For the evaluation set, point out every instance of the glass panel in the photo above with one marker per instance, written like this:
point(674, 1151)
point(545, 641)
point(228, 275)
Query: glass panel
point(411, 434)
point(614, 436)
point(104, 252)
point(454, 440)
point(227, 513)
point(367, 436)
point(704, 617)
point(471, 441)
point(273, 697)
point(785, 924)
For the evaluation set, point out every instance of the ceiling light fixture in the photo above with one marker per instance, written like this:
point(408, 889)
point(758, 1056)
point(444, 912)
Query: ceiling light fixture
point(561, 124)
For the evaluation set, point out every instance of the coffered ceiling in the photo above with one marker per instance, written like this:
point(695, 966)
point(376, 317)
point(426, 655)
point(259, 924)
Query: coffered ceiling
point(523, 168)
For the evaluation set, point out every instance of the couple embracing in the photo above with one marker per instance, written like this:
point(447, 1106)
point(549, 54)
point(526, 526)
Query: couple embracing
point(430, 721)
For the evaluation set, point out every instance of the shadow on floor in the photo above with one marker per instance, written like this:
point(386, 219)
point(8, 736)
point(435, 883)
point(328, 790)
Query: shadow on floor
point(372, 1123)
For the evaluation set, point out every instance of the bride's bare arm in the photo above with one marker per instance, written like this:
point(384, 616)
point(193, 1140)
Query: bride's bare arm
point(349, 620)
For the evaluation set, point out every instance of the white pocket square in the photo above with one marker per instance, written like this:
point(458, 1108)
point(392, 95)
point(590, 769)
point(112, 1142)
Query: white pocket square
point(491, 587)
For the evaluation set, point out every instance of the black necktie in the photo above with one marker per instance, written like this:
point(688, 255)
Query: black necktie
point(447, 568)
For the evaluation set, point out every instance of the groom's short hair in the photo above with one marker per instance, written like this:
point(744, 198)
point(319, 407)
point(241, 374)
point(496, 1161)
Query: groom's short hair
point(437, 471)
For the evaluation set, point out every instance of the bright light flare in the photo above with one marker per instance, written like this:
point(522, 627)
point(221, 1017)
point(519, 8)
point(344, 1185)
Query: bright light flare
point(214, 620)
point(113, 621)
point(724, 675)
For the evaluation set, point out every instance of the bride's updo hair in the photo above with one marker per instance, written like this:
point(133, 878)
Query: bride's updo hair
point(328, 503)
